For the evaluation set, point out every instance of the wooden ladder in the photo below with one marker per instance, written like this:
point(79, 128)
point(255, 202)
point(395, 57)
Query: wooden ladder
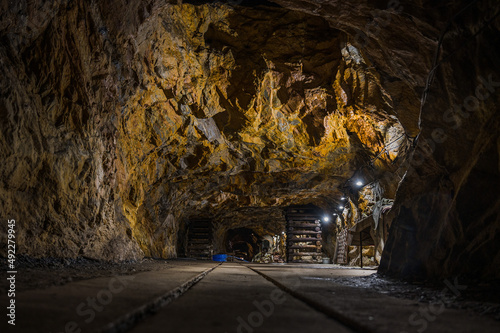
point(199, 239)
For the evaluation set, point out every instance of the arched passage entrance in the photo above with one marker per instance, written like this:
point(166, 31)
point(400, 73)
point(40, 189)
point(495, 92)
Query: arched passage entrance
point(242, 242)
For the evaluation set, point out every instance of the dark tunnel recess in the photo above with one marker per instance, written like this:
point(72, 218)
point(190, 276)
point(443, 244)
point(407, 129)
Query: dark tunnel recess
point(243, 243)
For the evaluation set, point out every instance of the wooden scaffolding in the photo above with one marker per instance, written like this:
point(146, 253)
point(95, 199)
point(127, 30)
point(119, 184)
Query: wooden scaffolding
point(199, 244)
point(303, 231)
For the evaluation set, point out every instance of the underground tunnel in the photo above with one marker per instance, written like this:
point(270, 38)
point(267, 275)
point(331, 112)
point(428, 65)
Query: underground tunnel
point(250, 166)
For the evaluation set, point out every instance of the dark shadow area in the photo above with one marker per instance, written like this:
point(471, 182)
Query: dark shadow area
point(243, 242)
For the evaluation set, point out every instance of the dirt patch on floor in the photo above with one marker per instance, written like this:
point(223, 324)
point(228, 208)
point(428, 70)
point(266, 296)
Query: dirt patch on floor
point(482, 298)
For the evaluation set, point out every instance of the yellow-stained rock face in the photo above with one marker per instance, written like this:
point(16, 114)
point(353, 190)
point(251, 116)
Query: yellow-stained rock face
point(122, 122)
point(243, 108)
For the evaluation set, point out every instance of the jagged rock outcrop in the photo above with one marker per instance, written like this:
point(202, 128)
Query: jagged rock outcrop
point(243, 108)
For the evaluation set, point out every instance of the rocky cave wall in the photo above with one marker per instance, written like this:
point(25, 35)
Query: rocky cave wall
point(173, 112)
point(448, 207)
point(59, 92)
point(121, 120)
point(445, 219)
point(244, 108)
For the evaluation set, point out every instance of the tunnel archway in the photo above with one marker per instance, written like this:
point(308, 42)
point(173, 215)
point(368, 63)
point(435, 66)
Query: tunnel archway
point(242, 243)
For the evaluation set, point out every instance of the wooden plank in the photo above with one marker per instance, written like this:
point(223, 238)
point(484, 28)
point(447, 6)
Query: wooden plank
point(303, 216)
point(303, 221)
point(298, 219)
point(304, 232)
point(198, 236)
point(199, 246)
point(301, 232)
point(303, 225)
point(196, 253)
point(342, 250)
point(318, 242)
point(302, 247)
point(199, 225)
point(304, 239)
point(306, 248)
point(198, 241)
point(199, 231)
point(302, 254)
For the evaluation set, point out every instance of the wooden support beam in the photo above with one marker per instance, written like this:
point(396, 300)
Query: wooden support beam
point(304, 232)
point(361, 249)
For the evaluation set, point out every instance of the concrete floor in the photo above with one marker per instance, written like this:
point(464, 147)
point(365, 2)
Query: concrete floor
point(232, 297)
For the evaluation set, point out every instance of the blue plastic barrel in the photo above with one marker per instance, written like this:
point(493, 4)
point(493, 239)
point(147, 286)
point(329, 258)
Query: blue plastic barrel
point(219, 257)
